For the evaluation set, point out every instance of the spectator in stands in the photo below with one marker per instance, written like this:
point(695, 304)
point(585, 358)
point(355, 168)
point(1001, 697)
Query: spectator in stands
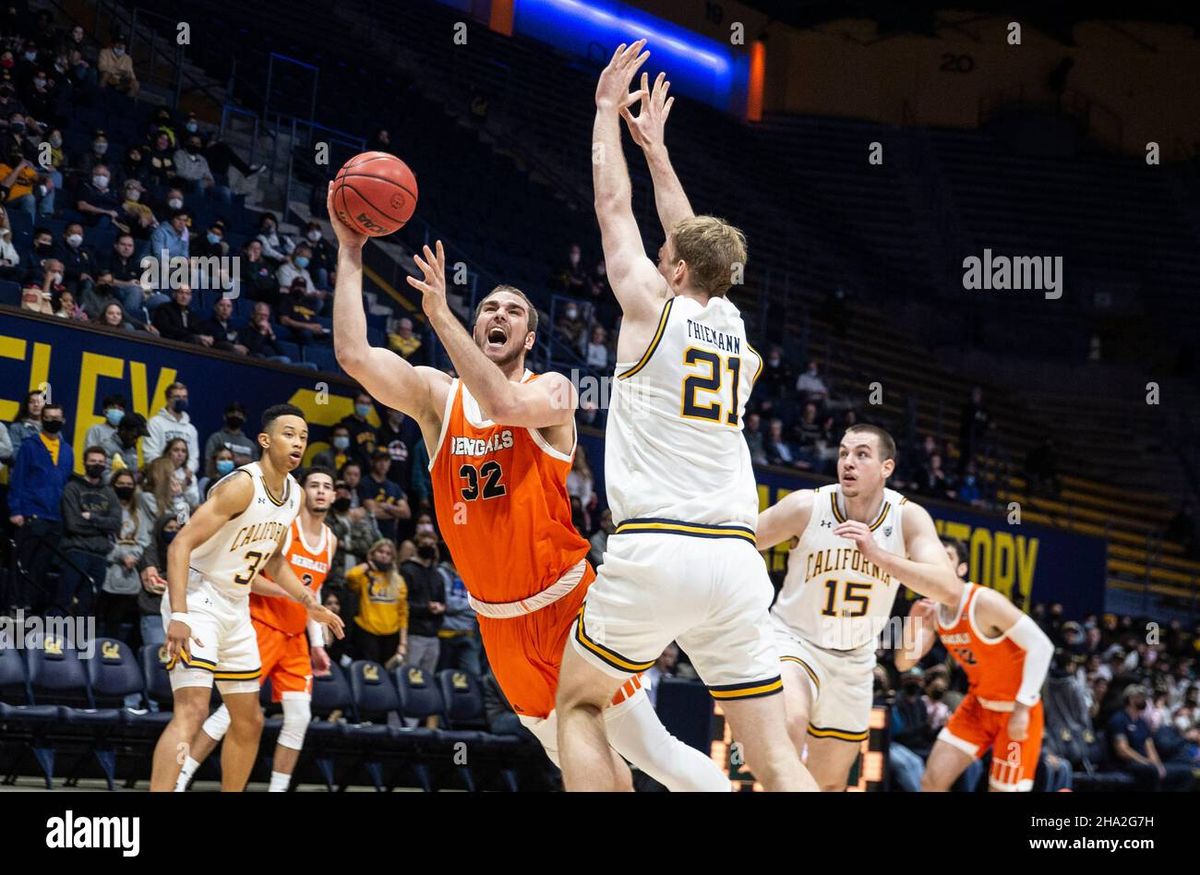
point(338, 453)
point(27, 61)
point(221, 156)
point(405, 342)
point(172, 421)
point(384, 499)
point(752, 431)
point(10, 259)
point(810, 386)
point(362, 433)
point(153, 570)
point(597, 355)
point(17, 179)
point(136, 217)
point(323, 266)
point(127, 276)
point(381, 141)
point(258, 276)
point(12, 136)
point(161, 160)
point(398, 434)
point(259, 336)
point(974, 423)
point(778, 450)
point(91, 520)
point(355, 528)
point(426, 604)
point(807, 432)
point(103, 434)
point(183, 470)
point(573, 278)
point(572, 327)
point(276, 247)
point(89, 160)
point(910, 716)
point(40, 473)
point(299, 311)
point(28, 422)
point(78, 262)
point(74, 39)
point(175, 320)
point(36, 300)
point(192, 170)
point(776, 377)
point(81, 74)
point(96, 297)
point(221, 328)
point(41, 95)
point(67, 308)
point(351, 473)
point(122, 450)
point(220, 463)
point(117, 606)
point(581, 484)
point(97, 199)
point(934, 481)
point(599, 538)
point(381, 626)
point(231, 437)
point(163, 492)
point(459, 636)
point(664, 667)
point(970, 490)
point(294, 272)
point(170, 239)
point(9, 102)
point(116, 69)
point(136, 166)
point(212, 244)
point(1133, 746)
point(600, 296)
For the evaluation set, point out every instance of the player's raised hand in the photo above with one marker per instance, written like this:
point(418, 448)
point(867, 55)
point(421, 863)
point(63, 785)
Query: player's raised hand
point(647, 126)
point(326, 617)
point(861, 535)
point(346, 236)
point(433, 288)
point(612, 91)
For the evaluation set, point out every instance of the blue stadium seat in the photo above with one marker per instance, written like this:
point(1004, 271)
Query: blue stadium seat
point(420, 696)
point(56, 674)
point(154, 671)
point(10, 293)
point(462, 694)
point(113, 673)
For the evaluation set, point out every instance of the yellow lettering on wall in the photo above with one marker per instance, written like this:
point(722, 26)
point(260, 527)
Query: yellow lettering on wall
point(92, 367)
point(137, 389)
point(1004, 566)
point(11, 348)
point(335, 408)
point(39, 369)
point(981, 556)
point(1027, 550)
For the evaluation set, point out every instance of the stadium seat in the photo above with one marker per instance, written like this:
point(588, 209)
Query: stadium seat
point(462, 695)
point(113, 674)
point(331, 697)
point(420, 697)
point(154, 672)
point(374, 699)
point(56, 674)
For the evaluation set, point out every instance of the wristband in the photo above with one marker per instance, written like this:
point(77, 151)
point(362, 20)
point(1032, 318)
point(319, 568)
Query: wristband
point(181, 617)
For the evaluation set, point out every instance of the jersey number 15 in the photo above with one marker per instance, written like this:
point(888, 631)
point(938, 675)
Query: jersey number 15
point(708, 379)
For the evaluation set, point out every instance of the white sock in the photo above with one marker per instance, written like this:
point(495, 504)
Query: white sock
point(185, 774)
point(279, 782)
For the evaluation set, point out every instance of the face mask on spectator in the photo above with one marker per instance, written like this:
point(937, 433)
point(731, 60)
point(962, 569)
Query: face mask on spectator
point(118, 51)
point(341, 505)
point(17, 127)
point(314, 235)
point(572, 313)
point(301, 261)
point(224, 466)
point(175, 203)
point(56, 141)
point(341, 442)
point(214, 239)
point(56, 277)
point(100, 181)
point(123, 492)
point(100, 147)
point(427, 551)
point(31, 56)
point(95, 471)
point(169, 536)
point(363, 410)
point(179, 405)
point(52, 426)
point(382, 566)
point(234, 421)
point(114, 415)
point(39, 82)
point(192, 127)
point(74, 240)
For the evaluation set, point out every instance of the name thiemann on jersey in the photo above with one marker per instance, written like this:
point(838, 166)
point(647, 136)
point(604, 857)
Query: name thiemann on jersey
point(268, 531)
point(839, 559)
point(722, 341)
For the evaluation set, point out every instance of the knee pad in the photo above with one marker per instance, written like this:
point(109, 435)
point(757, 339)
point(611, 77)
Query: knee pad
point(217, 724)
point(297, 713)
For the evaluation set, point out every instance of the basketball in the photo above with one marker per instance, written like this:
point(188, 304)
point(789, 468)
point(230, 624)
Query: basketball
point(375, 193)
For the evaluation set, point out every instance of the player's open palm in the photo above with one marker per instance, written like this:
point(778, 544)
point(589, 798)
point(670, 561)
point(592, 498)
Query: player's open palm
point(346, 236)
point(326, 617)
point(612, 91)
point(648, 125)
point(433, 287)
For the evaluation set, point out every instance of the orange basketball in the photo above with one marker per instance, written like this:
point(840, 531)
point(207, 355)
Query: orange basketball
point(375, 193)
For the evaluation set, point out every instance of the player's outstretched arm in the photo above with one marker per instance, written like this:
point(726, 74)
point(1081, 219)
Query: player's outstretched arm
point(647, 129)
point(227, 499)
point(384, 374)
point(549, 400)
point(785, 519)
point(919, 635)
point(997, 615)
point(281, 572)
point(636, 282)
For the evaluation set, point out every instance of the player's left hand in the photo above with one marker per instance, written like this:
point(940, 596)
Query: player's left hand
point(320, 662)
point(861, 535)
point(433, 288)
point(646, 127)
point(326, 617)
point(1018, 723)
point(612, 91)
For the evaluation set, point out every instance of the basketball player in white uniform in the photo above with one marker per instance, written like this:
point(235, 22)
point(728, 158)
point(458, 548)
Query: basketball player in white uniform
point(211, 564)
point(681, 564)
point(853, 543)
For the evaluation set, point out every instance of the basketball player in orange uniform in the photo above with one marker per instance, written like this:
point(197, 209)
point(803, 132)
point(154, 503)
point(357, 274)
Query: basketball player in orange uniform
point(1005, 656)
point(501, 440)
point(288, 659)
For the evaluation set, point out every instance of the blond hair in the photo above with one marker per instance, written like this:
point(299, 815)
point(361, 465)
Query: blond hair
point(713, 249)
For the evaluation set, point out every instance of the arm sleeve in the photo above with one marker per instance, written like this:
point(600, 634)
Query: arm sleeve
point(1038, 651)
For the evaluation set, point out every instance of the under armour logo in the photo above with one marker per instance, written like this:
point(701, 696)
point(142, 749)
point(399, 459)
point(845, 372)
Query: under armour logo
point(262, 501)
point(887, 533)
point(827, 524)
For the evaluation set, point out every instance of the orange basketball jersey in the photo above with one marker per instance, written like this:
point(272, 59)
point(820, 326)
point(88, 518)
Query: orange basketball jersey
point(311, 564)
point(500, 493)
point(993, 665)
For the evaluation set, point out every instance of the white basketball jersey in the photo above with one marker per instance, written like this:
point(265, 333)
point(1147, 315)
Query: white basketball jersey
point(831, 596)
point(241, 547)
point(674, 450)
